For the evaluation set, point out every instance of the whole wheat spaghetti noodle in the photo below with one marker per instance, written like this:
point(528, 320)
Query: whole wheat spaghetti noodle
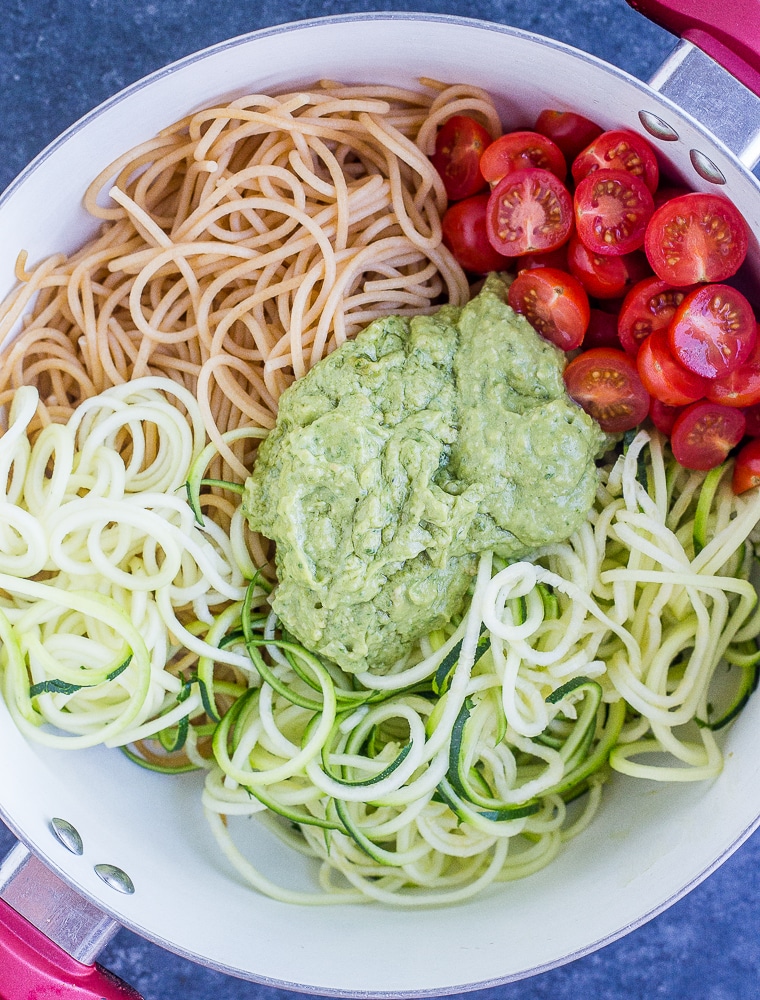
point(240, 246)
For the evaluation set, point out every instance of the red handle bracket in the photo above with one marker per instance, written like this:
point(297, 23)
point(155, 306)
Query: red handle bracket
point(32, 966)
point(728, 31)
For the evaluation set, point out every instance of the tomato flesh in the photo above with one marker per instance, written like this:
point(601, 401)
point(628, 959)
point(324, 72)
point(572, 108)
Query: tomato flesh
point(459, 145)
point(570, 131)
point(521, 151)
point(529, 211)
point(741, 387)
point(612, 209)
point(619, 149)
point(605, 383)
point(705, 433)
point(747, 467)
point(554, 303)
point(664, 377)
point(650, 305)
point(713, 331)
point(464, 233)
point(696, 237)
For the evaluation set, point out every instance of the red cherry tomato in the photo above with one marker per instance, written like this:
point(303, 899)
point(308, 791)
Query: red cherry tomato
point(664, 416)
point(619, 149)
point(650, 305)
point(521, 151)
point(612, 209)
point(529, 211)
point(747, 467)
point(464, 233)
point(554, 303)
point(548, 258)
point(602, 330)
point(704, 434)
point(602, 275)
point(713, 331)
point(570, 131)
point(696, 237)
point(604, 381)
point(667, 191)
point(663, 376)
point(740, 388)
point(752, 416)
point(458, 147)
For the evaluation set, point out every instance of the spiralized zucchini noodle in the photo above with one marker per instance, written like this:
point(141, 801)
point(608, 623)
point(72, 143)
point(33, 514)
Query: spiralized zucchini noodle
point(129, 617)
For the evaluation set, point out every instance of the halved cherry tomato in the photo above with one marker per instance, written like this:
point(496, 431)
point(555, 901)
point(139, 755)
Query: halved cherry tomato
point(464, 233)
point(696, 237)
point(704, 434)
point(752, 416)
point(604, 381)
point(650, 305)
point(458, 147)
point(619, 149)
point(740, 388)
point(612, 209)
point(663, 376)
point(529, 211)
point(713, 331)
point(602, 275)
point(554, 303)
point(664, 416)
point(747, 467)
point(602, 330)
point(667, 191)
point(570, 131)
point(521, 151)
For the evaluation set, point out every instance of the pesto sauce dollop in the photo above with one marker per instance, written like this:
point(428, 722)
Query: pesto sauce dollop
point(403, 455)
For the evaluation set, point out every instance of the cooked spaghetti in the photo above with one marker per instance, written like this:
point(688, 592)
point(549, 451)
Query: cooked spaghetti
point(238, 247)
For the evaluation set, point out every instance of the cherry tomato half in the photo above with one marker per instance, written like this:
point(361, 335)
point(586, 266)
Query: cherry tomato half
point(650, 305)
point(619, 149)
point(741, 387)
point(570, 131)
point(458, 147)
point(663, 376)
point(713, 331)
point(547, 258)
point(602, 275)
point(696, 237)
point(604, 381)
point(554, 303)
point(464, 233)
point(529, 211)
point(612, 209)
point(521, 151)
point(704, 434)
point(747, 467)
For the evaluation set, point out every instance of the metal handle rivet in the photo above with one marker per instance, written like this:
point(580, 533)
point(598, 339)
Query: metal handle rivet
point(67, 834)
point(656, 127)
point(706, 168)
point(115, 878)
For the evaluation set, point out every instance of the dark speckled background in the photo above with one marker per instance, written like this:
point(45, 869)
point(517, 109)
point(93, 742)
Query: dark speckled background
point(58, 59)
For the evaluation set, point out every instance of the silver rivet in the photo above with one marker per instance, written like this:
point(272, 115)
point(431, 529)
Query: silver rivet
point(115, 878)
point(706, 168)
point(656, 127)
point(67, 835)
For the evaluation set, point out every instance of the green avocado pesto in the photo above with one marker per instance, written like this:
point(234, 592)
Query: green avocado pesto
point(404, 454)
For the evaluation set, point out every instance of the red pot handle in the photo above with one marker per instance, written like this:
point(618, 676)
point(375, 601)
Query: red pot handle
point(727, 30)
point(32, 966)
